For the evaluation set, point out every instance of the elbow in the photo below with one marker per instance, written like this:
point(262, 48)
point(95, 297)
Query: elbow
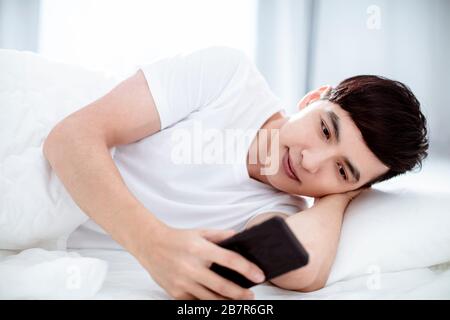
point(68, 137)
point(300, 281)
point(46, 147)
point(56, 138)
point(315, 285)
point(305, 279)
point(49, 144)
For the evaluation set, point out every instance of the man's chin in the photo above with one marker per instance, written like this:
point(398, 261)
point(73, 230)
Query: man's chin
point(282, 186)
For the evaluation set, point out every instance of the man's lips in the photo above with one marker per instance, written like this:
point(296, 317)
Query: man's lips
point(288, 167)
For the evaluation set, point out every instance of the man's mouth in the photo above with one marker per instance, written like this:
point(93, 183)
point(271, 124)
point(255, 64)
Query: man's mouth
point(288, 167)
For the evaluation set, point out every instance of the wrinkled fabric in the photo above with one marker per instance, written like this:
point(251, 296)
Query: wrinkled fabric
point(35, 94)
point(41, 274)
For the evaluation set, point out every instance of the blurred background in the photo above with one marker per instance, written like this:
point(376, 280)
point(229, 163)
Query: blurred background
point(297, 44)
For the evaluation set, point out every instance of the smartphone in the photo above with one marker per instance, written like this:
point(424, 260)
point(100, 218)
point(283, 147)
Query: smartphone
point(271, 245)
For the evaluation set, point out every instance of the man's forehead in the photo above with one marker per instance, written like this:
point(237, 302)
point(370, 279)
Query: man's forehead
point(353, 143)
point(342, 116)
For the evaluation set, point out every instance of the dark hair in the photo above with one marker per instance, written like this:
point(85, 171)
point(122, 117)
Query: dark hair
point(388, 115)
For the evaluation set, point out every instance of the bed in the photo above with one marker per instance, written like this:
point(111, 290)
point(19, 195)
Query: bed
point(395, 240)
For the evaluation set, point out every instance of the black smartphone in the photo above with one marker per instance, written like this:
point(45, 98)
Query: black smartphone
point(271, 245)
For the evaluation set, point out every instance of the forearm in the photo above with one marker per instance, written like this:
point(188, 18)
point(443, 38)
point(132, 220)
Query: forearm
point(82, 162)
point(318, 229)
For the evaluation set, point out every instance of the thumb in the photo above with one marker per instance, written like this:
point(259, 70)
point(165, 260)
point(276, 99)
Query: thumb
point(217, 235)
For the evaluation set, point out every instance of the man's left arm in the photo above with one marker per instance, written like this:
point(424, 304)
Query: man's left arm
point(318, 229)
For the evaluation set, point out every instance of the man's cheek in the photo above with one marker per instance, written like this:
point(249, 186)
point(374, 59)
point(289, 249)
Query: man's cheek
point(274, 161)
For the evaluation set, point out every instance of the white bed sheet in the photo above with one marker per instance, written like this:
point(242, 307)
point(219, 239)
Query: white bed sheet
point(128, 280)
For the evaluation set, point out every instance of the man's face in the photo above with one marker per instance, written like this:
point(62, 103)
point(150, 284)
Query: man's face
point(321, 162)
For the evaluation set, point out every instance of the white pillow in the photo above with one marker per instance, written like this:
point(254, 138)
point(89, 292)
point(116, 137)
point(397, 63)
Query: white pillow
point(35, 93)
point(386, 231)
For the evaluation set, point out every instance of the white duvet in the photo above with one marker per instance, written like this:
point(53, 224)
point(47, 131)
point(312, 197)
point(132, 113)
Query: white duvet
point(35, 209)
point(37, 212)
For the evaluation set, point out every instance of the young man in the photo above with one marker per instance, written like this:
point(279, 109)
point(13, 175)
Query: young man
point(202, 148)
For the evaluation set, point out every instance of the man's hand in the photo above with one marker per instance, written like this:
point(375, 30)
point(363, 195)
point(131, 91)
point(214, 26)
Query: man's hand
point(345, 196)
point(179, 260)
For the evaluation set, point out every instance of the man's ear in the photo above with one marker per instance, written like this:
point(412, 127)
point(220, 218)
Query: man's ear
point(313, 95)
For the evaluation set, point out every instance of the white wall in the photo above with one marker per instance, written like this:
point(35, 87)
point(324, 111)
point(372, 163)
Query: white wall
point(19, 24)
point(412, 45)
point(284, 33)
point(114, 35)
point(407, 40)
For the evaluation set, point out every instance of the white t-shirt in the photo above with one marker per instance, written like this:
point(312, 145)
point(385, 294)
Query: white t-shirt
point(193, 173)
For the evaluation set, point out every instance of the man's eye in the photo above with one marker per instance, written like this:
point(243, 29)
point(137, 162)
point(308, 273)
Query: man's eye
point(325, 130)
point(342, 171)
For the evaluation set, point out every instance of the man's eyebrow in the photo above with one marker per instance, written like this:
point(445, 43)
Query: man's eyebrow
point(335, 122)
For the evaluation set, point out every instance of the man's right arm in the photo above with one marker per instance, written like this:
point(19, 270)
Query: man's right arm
point(78, 151)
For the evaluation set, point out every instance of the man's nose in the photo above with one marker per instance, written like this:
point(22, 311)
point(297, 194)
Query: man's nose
point(312, 160)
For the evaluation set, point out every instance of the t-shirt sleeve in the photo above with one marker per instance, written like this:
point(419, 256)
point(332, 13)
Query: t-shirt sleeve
point(189, 81)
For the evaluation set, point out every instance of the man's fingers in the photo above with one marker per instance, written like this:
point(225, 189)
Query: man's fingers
point(234, 261)
point(212, 286)
point(224, 287)
point(217, 235)
point(357, 191)
point(184, 296)
point(354, 193)
point(202, 293)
